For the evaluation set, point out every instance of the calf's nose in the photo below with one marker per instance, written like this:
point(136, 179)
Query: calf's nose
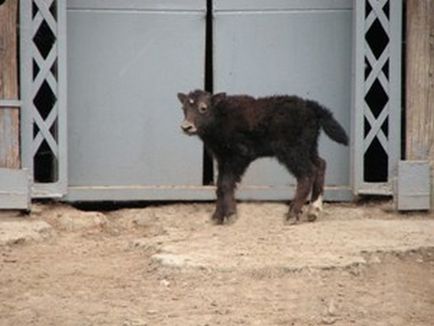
point(188, 127)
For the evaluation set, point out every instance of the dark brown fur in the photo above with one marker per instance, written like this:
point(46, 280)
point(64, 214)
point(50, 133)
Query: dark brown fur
point(239, 129)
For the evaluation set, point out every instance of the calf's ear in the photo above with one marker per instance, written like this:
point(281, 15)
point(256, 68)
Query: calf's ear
point(182, 97)
point(216, 98)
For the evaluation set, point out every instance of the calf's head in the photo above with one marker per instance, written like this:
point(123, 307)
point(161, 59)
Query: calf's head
point(198, 107)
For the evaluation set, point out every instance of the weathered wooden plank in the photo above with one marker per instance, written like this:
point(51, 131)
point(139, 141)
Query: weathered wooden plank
point(420, 83)
point(9, 117)
point(420, 87)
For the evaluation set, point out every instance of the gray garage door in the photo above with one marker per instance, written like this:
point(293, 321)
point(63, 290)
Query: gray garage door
point(288, 47)
point(128, 59)
point(126, 62)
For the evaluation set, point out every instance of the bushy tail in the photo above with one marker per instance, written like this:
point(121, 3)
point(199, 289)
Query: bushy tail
point(330, 126)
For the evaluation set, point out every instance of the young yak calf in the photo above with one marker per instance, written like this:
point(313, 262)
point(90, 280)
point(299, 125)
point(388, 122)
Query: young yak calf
point(239, 129)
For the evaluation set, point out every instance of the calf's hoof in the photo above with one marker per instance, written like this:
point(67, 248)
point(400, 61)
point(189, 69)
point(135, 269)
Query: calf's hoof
point(315, 209)
point(292, 219)
point(231, 218)
point(217, 219)
point(313, 214)
point(228, 218)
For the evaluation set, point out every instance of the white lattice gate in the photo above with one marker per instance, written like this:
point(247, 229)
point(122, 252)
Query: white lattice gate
point(377, 95)
point(43, 92)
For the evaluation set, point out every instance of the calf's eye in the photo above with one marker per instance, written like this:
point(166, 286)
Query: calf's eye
point(202, 108)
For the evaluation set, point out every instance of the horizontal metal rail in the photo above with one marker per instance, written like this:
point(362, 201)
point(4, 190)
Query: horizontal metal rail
point(10, 104)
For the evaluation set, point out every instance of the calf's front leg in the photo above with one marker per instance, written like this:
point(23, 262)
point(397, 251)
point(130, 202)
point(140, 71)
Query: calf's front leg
point(226, 204)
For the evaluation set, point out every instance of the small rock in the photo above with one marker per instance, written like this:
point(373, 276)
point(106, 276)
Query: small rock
point(84, 221)
point(374, 260)
point(139, 244)
point(22, 231)
point(354, 270)
point(332, 309)
point(10, 260)
point(135, 322)
point(171, 260)
point(165, 283)
point(37, 209)
point(330, 313)
point(329, 320)
point(145, 220)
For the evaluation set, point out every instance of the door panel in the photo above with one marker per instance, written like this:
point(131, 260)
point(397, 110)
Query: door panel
point(126, 62)
point(288, 47)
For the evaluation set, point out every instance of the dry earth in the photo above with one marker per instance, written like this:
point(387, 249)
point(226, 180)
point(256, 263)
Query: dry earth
point(168, 265)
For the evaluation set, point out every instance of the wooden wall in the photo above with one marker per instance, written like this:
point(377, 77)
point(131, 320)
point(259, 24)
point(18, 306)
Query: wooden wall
point(420, 82)
point(9, 117)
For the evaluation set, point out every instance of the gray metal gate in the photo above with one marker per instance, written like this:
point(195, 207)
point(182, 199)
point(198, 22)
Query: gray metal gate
point(288, 47)
point(126, 62)
point(127, 59)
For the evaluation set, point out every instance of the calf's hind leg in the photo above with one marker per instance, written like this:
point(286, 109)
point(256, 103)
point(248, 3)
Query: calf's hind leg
point(304, 186)
point(299, 164)
point(317, 189)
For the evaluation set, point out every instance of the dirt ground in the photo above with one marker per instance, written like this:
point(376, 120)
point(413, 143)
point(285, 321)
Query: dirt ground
point(168, 265)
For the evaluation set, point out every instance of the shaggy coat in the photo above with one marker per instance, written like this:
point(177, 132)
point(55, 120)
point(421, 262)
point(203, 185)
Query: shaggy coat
point(239, 129)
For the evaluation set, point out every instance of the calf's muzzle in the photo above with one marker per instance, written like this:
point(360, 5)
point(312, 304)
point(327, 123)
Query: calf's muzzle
point(188, 127)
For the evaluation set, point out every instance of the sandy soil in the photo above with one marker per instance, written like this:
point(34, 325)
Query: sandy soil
point(168, 265)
